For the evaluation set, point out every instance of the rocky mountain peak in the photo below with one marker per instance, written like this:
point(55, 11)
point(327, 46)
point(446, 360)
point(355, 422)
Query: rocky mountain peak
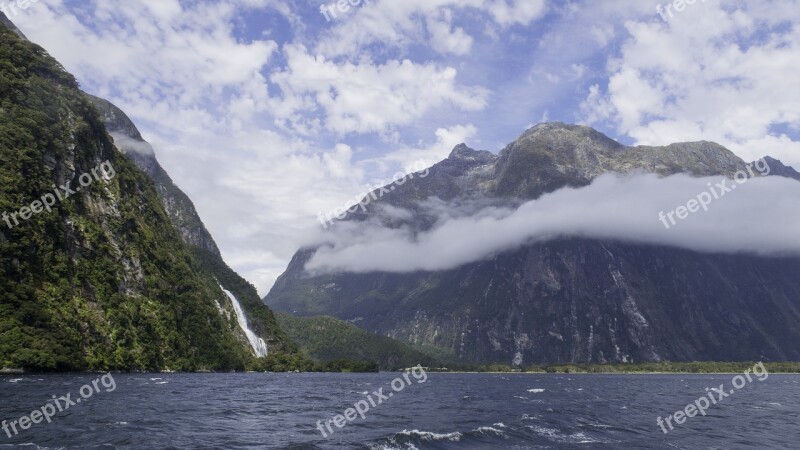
point(559, 134)
point(568, 299)
point(777, 168)
point(464, 153)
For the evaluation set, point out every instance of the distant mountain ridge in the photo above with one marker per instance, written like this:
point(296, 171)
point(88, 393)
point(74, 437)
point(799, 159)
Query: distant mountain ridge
point(566, 300)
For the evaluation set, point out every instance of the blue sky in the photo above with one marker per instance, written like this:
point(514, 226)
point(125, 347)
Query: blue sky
point(265, 113)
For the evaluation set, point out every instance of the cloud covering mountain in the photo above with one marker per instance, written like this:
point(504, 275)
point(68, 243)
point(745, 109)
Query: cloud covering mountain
point(265, 113)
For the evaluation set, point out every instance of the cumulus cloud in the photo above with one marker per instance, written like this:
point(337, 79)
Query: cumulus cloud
point(759, 216)
point(428, 155)
point(404, 23)
point(365, 97)
point(718, 71)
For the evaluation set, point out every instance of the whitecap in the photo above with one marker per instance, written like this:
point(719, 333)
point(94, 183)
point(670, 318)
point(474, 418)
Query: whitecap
point(555, 435)
point(548, 432)
point(393, 445)
point(535, 391)
point(489, 430)
point(431, 436)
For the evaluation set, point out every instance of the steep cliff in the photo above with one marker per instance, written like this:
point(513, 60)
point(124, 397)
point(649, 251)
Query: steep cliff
point(93, 273)
point(568, 299)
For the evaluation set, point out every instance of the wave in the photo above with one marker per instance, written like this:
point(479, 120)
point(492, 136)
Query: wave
point(411, 439)
point(430, 436)
point(560, 437)
point(498, 435)
point(489, 431)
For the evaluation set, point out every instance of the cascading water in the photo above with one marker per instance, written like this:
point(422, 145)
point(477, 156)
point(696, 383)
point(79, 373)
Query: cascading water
point(258, 344)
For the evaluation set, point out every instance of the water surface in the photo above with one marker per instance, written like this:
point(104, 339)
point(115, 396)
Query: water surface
point(474, 411)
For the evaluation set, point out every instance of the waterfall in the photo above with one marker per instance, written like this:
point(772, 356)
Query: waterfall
point(258, 344)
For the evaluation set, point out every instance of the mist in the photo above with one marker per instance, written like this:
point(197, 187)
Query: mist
point(759, 217)
point(127, 144)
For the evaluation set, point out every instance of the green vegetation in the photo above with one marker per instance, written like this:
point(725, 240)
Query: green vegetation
point(668, 367)
point(283, 362)
point(103, 282)
point(333, 342)
point(284, 355)
point(627, 368)
point(261, 318)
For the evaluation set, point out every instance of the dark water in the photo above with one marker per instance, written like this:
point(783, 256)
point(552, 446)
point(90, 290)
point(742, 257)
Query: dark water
point(446, 411)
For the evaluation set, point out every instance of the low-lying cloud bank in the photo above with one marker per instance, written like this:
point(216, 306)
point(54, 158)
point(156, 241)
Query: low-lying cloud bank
point(761, 216)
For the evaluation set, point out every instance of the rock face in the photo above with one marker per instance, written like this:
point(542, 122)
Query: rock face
point(777, 168)
point(186, 220)
point(179, 207)
point(104, 280)
point(569, 300)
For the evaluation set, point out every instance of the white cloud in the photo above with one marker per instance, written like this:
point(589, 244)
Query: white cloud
point(402, 23)
point(521, 12)
point(265, 127)
point(366, 97)
point(611, 208)
point(718, 71)
point(163, 61)
point(445, 39)
point(428, 155)
point(126, 144)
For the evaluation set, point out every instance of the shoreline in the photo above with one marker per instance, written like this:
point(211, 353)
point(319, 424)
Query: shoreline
point(116, 372)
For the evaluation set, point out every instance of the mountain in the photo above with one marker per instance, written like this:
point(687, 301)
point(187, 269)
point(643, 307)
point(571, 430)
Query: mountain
point(327, 339)
point(10, 25)
point(566, 300)
point(186, 220)
point(179, 207)
point(779, 169)
point(116, 272)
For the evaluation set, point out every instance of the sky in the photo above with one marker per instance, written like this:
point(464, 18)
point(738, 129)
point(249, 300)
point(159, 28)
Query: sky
point(268, 112)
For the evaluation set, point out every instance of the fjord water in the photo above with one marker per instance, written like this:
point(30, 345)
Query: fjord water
point(477, 411)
